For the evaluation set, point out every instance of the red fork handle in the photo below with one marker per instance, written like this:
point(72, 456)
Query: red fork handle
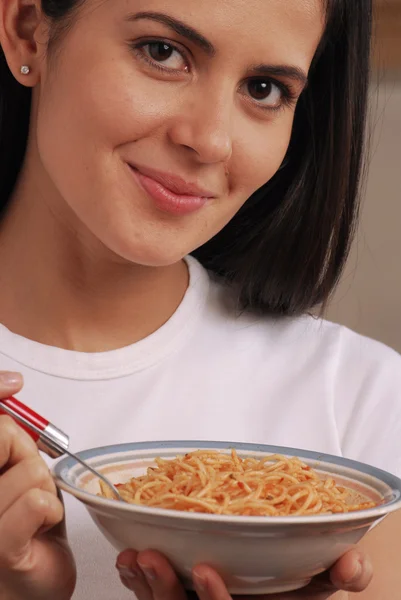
point(49, 438)
point(27, 413)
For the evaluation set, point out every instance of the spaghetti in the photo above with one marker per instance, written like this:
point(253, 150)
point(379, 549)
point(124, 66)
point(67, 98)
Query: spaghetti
point(217, 483)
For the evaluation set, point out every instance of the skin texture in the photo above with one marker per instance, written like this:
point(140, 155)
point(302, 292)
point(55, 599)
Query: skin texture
point(80, 226)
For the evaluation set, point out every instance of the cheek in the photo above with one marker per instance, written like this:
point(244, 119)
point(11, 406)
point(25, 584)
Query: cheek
point(83, 122)
point(98, 111)
point(131, 110)
point(259, 154)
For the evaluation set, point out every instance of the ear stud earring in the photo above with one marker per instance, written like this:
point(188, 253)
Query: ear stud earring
point(25, 70)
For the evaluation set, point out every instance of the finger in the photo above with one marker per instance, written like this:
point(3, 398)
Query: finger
point(60, 529)
point(321, 587)
point(30, 473)
point(15, 443)
point(10, 383)
point(18, 525)
point(160, 576)
point(352, 573)
point(208, 584)
point(131, 575)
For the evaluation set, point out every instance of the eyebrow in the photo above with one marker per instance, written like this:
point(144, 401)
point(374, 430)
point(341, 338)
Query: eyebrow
point(197, 38)
point(177, 26)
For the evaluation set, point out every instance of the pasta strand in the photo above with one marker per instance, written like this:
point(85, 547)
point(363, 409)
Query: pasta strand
point(216, 483)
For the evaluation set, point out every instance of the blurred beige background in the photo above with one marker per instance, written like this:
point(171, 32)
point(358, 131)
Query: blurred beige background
point(368, 298)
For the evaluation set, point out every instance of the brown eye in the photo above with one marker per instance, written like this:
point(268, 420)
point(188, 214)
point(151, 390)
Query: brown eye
point(160, 51)
point(264, 91)
point(162, 55)
point(260, 89)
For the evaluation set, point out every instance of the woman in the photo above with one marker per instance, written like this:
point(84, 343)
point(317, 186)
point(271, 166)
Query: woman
point(134, 133)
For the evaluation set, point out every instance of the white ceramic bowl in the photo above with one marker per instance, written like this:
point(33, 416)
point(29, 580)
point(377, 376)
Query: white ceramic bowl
point(255, 555)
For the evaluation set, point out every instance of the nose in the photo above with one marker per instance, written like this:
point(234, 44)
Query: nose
point(204, 125)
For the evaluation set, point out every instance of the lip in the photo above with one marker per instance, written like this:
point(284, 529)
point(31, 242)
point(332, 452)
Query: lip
point(170, 192)
point(174, 183)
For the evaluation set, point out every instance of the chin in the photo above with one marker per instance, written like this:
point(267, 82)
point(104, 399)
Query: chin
point(152, 256)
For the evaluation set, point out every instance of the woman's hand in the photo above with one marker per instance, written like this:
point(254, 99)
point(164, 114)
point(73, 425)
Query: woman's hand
point(150, 576)
point(35, 560)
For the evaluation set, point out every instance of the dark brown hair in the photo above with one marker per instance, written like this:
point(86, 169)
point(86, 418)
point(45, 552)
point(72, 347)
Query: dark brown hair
point(285, 249)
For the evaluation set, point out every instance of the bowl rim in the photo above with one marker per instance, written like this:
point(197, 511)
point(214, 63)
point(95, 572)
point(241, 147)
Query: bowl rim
point(63, 467)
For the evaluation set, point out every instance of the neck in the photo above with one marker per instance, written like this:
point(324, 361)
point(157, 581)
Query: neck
point(61, 287)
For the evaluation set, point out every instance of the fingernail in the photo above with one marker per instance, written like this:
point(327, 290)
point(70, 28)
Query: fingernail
point(200, 582)
point(149, 573)
point(127, 572)
point(10, 379)
point(356, 573)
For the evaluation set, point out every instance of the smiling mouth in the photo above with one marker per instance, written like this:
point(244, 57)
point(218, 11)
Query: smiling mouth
point(174, 183)
point(170, 193)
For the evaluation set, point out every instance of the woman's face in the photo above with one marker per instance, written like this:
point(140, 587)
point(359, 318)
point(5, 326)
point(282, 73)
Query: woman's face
point(157, 120)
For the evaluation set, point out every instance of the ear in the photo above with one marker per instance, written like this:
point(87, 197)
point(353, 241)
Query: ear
point(22, 39)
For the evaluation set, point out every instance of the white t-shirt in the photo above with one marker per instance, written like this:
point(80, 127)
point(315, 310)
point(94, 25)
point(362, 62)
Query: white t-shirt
point(209, 374)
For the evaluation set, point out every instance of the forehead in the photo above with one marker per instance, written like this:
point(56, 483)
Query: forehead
point(273, 29)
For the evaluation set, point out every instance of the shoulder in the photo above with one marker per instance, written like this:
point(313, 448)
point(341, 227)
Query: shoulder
point(360, 365)
point(306, 336)
point(351, 352)
point(345, 385)
point(347, 378)
point(351, 372)
point(315, 349)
